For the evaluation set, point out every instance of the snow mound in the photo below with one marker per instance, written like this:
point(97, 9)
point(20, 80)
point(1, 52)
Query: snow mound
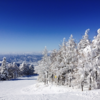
point(40, 88)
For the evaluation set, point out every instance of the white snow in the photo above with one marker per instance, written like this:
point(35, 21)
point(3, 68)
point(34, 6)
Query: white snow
point(27, 88)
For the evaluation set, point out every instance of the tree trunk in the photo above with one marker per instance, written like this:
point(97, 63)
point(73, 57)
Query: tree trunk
point(52, 78)
point(47, 77)
point(82, 85)
point(90, 84)
point(96, 75)
point(70, 82)
point(13, 75)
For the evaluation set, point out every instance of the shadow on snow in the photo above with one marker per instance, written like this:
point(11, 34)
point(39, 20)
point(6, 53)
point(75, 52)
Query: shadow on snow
point(28, 77)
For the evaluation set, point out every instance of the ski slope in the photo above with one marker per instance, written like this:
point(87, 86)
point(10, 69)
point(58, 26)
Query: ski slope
point(27, 88)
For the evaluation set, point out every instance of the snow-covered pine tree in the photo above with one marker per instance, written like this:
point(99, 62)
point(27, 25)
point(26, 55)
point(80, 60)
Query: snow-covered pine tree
point(95, 56)
point(84, 58)
point(24, 69)
point(13, 70)
point(4, 69)
point(10, 70)
point(16, 70)
point(31, 69)
point(85, 41)
point(53, 63)
point(42, 69)
point(72, 64)
point(71, 58)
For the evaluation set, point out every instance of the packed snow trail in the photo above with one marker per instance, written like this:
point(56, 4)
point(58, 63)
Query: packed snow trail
point(27, 88)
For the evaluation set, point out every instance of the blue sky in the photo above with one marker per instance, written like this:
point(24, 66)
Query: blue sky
point(30, 25)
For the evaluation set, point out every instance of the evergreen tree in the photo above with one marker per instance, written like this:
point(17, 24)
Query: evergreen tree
point(43, 68)
point(84, 41)
point(73, 65)
point(16, 70)
point(24, 69)
point(4, 69)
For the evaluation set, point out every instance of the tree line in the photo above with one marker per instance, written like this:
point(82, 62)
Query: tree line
point(12, 71)
point(75, 65)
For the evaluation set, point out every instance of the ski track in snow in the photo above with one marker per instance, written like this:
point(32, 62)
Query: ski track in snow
point(27, 88)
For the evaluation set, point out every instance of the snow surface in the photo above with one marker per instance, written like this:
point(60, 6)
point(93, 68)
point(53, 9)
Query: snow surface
point(27, 88)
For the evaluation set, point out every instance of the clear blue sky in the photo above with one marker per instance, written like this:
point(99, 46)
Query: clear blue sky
point(30, 25)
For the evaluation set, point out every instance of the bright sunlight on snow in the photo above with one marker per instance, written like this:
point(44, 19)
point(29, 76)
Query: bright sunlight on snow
point(27, 88)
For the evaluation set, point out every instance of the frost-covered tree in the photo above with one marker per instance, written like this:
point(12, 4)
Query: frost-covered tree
point(43, 67)
point(84, 41)
point(10, 70)
point(95, 56)
point(31, 69)
point(16, 70)
point(13, 70)
point(75, 65)
point(24, 69)
point(70, 60)
point(4, 69)
point(71, 55)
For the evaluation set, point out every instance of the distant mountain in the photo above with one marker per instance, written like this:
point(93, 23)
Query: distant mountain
point(28, 58)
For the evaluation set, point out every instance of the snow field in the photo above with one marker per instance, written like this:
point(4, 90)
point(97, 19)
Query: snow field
point(27, 88)
point(40, 88)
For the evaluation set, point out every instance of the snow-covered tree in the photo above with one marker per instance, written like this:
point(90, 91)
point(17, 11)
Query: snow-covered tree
point(4, 69)
point(75, 65)
point(24, 69)
point(31, 69)
point(43, 67)
point(84, 41)
point(13, 70)
point(16, 70)
point(10, 70)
